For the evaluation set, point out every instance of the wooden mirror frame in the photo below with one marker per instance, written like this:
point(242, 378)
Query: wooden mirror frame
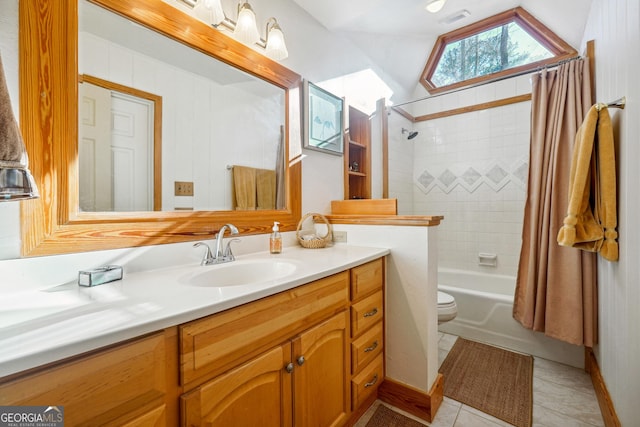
point(52, 224)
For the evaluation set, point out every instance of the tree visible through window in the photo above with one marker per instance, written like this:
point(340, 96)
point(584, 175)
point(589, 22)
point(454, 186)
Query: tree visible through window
point(507, 43)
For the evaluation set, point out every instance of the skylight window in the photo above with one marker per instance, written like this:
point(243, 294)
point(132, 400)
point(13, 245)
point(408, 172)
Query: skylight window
point(508, 43)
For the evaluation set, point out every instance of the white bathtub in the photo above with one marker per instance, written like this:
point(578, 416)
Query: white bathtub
point(485, 305)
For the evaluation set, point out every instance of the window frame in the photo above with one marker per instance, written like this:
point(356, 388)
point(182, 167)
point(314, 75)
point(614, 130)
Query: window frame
point(560, 49)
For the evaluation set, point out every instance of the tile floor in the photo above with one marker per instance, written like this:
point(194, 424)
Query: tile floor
point(562, 397)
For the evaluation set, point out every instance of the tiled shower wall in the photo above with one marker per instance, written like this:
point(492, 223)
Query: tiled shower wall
point(472, 168)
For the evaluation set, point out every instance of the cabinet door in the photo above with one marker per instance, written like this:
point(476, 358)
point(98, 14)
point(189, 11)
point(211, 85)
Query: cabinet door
point(320, 376)
point(257, 393)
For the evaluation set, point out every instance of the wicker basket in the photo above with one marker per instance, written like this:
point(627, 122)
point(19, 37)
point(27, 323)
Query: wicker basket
point(315, 242)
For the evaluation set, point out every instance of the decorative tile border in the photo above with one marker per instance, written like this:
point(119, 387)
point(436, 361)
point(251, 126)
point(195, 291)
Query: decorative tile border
point(496, 176)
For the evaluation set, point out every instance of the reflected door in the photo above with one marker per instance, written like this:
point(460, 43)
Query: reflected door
point(115, 152)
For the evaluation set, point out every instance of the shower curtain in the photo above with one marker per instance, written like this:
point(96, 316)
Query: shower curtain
point(556, 286)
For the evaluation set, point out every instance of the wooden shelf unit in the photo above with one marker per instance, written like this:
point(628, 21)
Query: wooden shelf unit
point(357, 156)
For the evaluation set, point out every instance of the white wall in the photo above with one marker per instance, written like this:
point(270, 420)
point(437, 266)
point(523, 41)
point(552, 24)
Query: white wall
point(615, 27)
point(471, 168)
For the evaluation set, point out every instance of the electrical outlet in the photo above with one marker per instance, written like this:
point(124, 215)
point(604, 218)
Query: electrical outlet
point(340, 236)
point(184, 188)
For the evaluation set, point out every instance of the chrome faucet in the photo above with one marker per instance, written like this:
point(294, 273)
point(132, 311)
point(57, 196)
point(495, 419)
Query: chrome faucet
point(227, 253)
point(219, 256)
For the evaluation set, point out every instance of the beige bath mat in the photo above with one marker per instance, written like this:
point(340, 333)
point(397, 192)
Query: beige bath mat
point(495, 381)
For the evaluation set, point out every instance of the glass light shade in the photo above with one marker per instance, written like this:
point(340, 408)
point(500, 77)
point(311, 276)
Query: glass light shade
point(435, 6)
point(276, 47)
point(17, 184)
point(246, 29)
point(209, 11)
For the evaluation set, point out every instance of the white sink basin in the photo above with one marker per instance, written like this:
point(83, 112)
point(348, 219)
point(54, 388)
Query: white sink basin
point(241, 272)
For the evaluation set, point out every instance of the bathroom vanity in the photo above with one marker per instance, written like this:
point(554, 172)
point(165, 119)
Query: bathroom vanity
point(303, 349)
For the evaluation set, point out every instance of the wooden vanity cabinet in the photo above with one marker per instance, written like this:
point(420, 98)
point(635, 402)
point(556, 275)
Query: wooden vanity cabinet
point(311, 356)
point(300, 374)
point(301, 382)
point(308, 356)
point(130, 384)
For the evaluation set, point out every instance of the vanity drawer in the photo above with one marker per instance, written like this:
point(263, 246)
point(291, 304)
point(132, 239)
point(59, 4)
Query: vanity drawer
point(366, 279)
point(122, 385)
point(366, 382)
point(366, 348)
point(366, 313)
point(214, 344)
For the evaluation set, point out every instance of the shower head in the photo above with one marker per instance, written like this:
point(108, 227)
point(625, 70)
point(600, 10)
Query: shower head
point(412, 134)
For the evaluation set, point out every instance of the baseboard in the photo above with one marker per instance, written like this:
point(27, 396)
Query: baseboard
point(416, 402)
point(609, 415)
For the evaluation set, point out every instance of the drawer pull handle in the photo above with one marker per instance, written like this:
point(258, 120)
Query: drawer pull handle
point(373, 382)
point(289, 368)
point(372, 312)
point(373, 347)
point(301, 360)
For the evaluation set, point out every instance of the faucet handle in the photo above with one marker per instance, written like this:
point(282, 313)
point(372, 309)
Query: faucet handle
point(227, 251)
point(208, 256)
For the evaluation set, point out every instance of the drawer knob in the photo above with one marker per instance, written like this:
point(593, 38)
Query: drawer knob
point(301, 360)
point(373, 381)
point(372, 347)
point(289, 368)
point(371, 313)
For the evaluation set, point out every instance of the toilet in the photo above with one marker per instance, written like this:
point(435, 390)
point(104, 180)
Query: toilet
point(447, 308)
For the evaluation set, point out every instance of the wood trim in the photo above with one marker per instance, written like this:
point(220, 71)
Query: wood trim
point(468, 109)
point(381, 110)
point(52, 224)
point(157, 127)
point(404, 114)
point(416, 402)
point(605, 402)
point(528, 22)
point(365, 207)
point(404, 220)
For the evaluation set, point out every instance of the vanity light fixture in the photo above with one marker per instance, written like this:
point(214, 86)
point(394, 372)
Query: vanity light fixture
point(16, 181)
point(245, 29)
point(434, 6)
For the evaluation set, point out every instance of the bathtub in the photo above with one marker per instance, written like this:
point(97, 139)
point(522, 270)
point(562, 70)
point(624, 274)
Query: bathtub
point(485, 305)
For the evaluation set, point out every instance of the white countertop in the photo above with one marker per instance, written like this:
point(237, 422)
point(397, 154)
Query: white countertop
point(46, 325)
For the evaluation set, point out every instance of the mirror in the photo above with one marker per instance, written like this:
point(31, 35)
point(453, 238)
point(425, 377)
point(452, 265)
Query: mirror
point(49, 120)
point(204, 105)
point(324, 113)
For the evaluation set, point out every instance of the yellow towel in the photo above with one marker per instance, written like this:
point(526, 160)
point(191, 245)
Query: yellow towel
point(266, 188)
point(244, 186)
point(586, 227)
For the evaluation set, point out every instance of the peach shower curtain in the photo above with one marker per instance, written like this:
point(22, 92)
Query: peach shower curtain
point(555, 286)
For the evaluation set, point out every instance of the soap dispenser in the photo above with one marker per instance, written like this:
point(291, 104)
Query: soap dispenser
point(275, 241)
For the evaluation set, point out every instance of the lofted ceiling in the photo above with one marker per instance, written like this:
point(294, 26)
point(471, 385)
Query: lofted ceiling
point(398, 35)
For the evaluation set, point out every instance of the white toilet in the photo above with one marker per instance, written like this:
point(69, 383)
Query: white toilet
point(447, 308)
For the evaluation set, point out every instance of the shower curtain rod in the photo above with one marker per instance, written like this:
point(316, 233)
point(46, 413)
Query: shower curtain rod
point(521, 73)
